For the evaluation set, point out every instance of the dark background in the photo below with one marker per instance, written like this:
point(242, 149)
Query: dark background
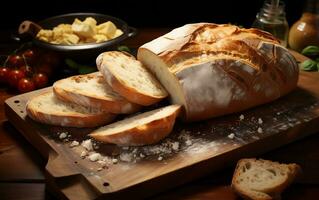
point(151, 13)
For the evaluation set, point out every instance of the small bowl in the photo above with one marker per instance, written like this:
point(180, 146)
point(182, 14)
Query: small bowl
point(87, 50)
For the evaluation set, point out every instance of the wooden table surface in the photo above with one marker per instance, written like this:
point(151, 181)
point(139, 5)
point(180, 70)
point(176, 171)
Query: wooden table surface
point(22, 167)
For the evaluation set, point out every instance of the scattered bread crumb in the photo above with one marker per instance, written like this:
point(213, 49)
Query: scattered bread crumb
point(260, 121)
point(126, 157)
point(84, 154)
point(175, 146)
point(231, 136)
point(160, 158)
point(188, 142)
point(142, 155)
point(63, 135)
point(241, 117)
point(94, 157)
point(87, 144)
point(102, 163)
point(74, 143)
point(260, 130)
point(114, 160)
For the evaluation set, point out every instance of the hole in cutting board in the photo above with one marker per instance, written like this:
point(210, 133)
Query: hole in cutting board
point(17, 101)
point(106, 184)
point(21, 111)
point(76, 162)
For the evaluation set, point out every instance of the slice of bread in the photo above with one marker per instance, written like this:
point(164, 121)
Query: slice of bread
point(146, 128)
point(129, 78)
point(48, 109)
point(262, 179)
point(91, 90)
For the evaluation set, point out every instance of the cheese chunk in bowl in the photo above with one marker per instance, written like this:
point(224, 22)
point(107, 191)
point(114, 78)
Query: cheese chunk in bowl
point(82, 36)
point(80, 32)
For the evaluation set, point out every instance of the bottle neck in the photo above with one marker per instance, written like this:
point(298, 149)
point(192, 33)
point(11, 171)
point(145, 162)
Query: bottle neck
point(271, 13)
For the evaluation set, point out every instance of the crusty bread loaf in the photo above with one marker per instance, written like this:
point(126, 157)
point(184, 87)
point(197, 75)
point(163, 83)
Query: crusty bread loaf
point(91, 90)
point(46, 108)
point(262, 179)
point(146, 128)
point(129, 78)
point(213, 70)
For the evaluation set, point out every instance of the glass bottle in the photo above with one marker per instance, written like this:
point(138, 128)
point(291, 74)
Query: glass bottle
point(305, 31)
point(272, 18)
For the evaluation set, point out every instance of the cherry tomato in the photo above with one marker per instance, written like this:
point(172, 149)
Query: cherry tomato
point(40, 80)
point(29, 55)
point(27, 70)
point(14, 77)
point(25, 85)
point(4, 73)
point(16, 60)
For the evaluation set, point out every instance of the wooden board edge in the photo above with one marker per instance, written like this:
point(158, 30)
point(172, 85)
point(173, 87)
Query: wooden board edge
point(49, 154)
point(150, 187)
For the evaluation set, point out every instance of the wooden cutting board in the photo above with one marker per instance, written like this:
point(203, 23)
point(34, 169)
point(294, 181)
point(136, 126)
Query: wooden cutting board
point(191, 151)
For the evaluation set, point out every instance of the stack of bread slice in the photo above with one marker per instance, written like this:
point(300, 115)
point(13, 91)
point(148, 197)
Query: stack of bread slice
point(122, 86)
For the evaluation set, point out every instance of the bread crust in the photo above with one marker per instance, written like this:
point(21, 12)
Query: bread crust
point(68, 120)
point(149, 133)
point(273, 193)
point(116, 106)
point(130, 93)
point(234, 68)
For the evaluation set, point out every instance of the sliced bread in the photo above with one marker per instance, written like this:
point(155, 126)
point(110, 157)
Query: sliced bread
point(146, 128)
point(48, 109)
point(91, 90)
point(262, 179)
point(128, 77)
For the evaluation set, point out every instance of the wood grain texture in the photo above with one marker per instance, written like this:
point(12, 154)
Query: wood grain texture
point(285, 120)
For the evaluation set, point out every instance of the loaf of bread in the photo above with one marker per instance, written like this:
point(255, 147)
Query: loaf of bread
point(91, 90)
point(213, 70)
point(262, 179)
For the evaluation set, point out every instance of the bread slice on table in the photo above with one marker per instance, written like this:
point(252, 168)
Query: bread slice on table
point(262, 179)
point(146, 128)
point(91, 90)
point(129, 78)
point(48, 109)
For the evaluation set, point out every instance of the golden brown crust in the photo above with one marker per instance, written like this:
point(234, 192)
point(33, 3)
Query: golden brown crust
point(247, 66)
point(145, 134)
point(68, 120)
point(294, 171)
point(201, 37)
point(133, 95)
